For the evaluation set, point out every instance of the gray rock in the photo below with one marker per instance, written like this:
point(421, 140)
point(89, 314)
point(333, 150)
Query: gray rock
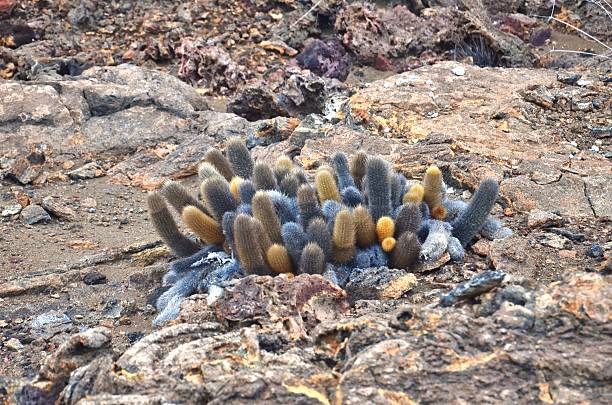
point(479, 284)
point(379, 283)
point(33, 214)
point(14, 344)
point(113, 110)
point(11, 210)
point(87, 171)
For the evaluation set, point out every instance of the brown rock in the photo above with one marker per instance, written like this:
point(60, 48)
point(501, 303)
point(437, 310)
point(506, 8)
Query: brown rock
point(542, 219)
point(60, 209)
point(379, 283)
point(482, 247)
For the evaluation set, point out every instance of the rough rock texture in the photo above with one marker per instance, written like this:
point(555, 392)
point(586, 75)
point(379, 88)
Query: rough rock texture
point(552, 346)
point(542, 334)
point(474, 127)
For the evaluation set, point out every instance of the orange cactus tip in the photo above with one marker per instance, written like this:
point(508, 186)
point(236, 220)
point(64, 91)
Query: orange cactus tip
point(234, 185)
point(388, 244)
point(439, 212)
point(385, 228)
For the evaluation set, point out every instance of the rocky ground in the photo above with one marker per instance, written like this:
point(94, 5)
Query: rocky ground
point(102, 101)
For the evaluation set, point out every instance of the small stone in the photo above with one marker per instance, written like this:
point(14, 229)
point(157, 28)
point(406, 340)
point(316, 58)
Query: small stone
point(477, 285)
point(583, 83)
point(11, 210)
point(568, 78)
point(87, 171)
point(33, 214)
point(134, 337)
point(67, 165)
point(89, 202)
point(567, 254)
point(56, 207)
point(542, 219)
point(554, 241)
point(379, 283)
point(14, 344)
point(482, 247)
point(595, 251)
point(24, 171)
point(94, 277)
point(3, 323)
point(458, 71)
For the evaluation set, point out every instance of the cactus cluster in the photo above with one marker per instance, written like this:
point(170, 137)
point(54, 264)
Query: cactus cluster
point(255, 218)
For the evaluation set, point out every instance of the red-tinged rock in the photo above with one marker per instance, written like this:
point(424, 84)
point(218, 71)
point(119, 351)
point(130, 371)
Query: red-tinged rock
point(6, 6)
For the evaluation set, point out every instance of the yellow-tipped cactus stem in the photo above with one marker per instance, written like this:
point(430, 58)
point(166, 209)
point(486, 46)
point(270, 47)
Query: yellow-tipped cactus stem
point(385, 228)
point(344, 230)
point(326, 186)
point(263, 210)
point(278, 259)
point(205, 227)
point(414, 195)
point(365, 229)
point(433, 187)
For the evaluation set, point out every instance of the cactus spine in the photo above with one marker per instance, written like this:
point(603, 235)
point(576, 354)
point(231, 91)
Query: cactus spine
point(318, 233)
point(344, 237)
point(388, 244)
point(163, 222)
point(326, 186)
point(308, 204)
point(378, 188)
point(358, 168)
point(408, 219)
point(365, 229)
point(263, 210)
point(220, 162)
point(249, 250)
point(263, 177)
point(205, 227)
point(278, 259)
point(433, 187)
point(415, 194)
point(218, 197)
point(178, 196)
point(239, 157)
point(340, 163)
point(385, 228)
point(473, 217)
point(234, 186)
point(312, 260)
point(406, 252)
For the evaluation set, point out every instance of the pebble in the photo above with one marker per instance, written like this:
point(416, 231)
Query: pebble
point(33, 214)
point(554, 241)
point(57, 208)
point(458, 71)
point(94, 277)
point(11, 210)
point(87, 171)
point(542, 219)
point(583, 83)
point(568, 78)
point(595, 251)
point(14, 344)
